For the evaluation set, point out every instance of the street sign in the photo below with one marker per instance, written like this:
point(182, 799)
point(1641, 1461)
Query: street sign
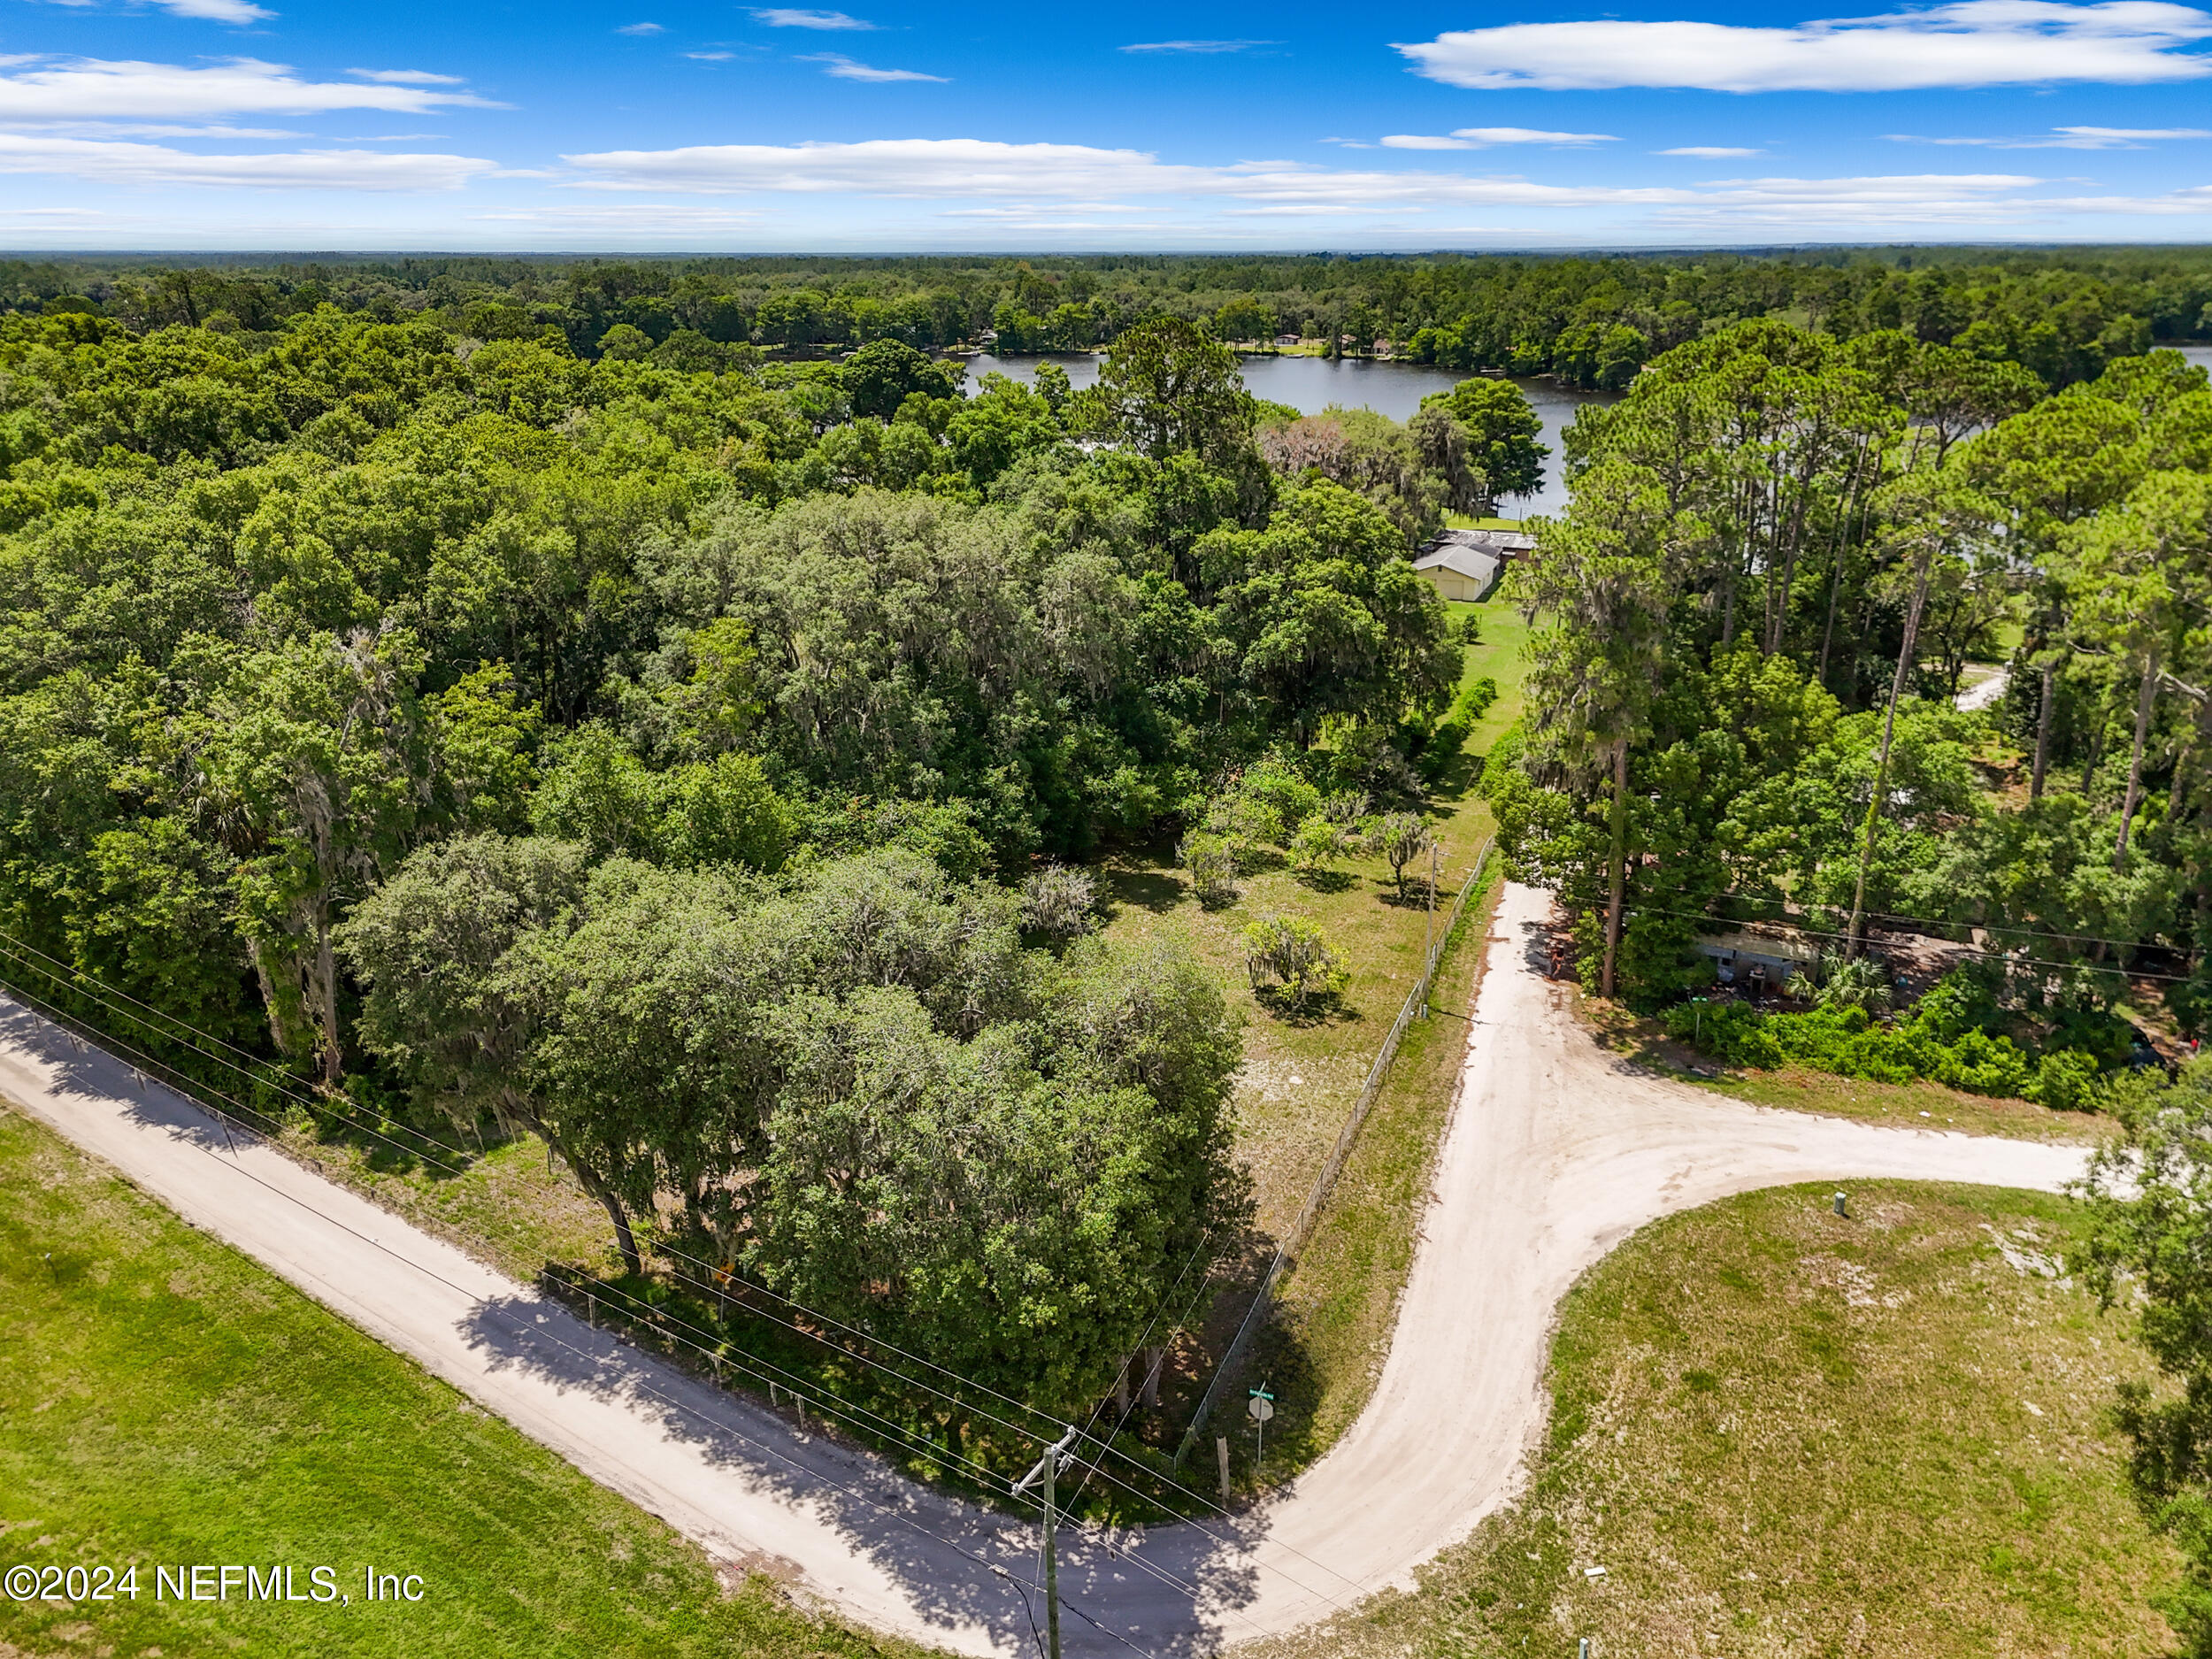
point(1261, 1407)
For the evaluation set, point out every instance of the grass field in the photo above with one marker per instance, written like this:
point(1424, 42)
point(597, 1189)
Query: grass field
point(1339, 1304)
point(1301, 1077)
point(165, 1401)
point(1783, 1433)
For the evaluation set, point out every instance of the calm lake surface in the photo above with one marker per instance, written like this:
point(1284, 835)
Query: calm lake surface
point(1309, 385)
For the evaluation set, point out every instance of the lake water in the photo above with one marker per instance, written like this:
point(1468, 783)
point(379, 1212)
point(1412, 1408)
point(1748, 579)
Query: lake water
point(1309, 385)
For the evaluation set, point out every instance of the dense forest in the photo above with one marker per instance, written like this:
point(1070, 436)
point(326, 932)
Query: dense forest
point(664, 708)
point(1593, 321)
point(674, 764)
point(1782, 551)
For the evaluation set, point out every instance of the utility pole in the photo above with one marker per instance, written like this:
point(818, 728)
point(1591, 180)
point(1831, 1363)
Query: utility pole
point(1047, 1466)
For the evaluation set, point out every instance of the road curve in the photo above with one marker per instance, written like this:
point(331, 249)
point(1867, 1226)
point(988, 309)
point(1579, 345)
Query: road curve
point(1556, 1152)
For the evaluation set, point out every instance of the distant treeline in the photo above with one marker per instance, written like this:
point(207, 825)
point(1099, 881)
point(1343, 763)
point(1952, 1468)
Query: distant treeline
point(2063, 314)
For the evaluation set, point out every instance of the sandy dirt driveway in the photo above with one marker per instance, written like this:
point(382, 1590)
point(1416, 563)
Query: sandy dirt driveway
point(1557, 1152)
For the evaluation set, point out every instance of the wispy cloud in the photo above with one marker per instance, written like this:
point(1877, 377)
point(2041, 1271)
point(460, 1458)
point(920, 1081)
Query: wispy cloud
point(1491, 137)
point(797, 18)
point(712, 57)
point(2070, 138)
point(406, 77)
point(1197, 46)
point(1709, 152)
point(845, 69)
point(1967, 43)
point(990, 182)
point(642, 28)
point(159, 165)
point(239, 12)
point(38, 91)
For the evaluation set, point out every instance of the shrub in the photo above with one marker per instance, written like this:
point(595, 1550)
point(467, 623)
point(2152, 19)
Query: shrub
point(1403, 838)
point(1059, 902)
point(1731, 1032)
point(1291, 952)
point(1283, 792)
point(1212, 862)
point(1318, 843)
point(2066, 1081)
point(1345, 809)
point(1861, 983)
point(1845, 1041)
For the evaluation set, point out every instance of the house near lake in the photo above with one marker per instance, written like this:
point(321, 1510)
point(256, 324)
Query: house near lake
point(1465, 565)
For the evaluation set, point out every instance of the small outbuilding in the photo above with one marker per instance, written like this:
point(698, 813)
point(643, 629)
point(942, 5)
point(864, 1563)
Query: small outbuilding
point(1465, 565)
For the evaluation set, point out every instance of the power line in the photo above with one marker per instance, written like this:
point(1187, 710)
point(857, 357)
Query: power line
point(486, 1307)
point(108, 995)
point(1096, 1467)
point(1930, 921)
point(1818, 932)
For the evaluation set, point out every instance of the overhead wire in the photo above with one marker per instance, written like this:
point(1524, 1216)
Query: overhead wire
point(485, 1306)
point(75, 980)
point(1820, 933)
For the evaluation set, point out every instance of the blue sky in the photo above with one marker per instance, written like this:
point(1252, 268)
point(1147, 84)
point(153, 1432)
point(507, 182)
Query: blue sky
point(293, 124)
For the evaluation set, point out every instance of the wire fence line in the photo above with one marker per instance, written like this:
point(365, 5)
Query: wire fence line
point(1297, 1236)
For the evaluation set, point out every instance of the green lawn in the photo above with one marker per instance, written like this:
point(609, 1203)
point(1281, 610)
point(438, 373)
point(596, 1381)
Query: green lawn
point(1302, 1077)
point(1782, 1432)
point(1337, 1308)
point(165, 1401)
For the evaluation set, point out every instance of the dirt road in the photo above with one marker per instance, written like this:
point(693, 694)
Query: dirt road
point(1555, 1153)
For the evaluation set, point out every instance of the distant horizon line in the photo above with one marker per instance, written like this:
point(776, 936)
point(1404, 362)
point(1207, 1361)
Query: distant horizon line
point(1609, 250)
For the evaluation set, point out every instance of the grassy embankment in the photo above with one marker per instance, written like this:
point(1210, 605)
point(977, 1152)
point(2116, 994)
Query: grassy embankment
point(1301, 1078)
point(1782, 1432)
point(164, 1399)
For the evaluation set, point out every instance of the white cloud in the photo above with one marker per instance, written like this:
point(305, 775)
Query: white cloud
point(624, 217)
point(845, 69)
point(1528, 136)
point(1709, 152)
point(712, 57)
point(160, 129)
point(239, 11)
point(91, 89)
point(642, 28)
point(158, 164)
point(1040, 209)
point(1196, 46)
point(2070, 138)
point(406, 77)
point(982, 168)
point(795, 18)
point(1967, 43)
point(1490, 137)
point(990, 182)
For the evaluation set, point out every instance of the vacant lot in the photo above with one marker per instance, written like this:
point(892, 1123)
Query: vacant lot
point(162, 1400)
point(1782, 1432)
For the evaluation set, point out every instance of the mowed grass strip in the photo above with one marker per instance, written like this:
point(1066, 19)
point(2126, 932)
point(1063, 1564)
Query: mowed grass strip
point(164, 1399)
point(1781, 1432)
point(1337, 1308)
